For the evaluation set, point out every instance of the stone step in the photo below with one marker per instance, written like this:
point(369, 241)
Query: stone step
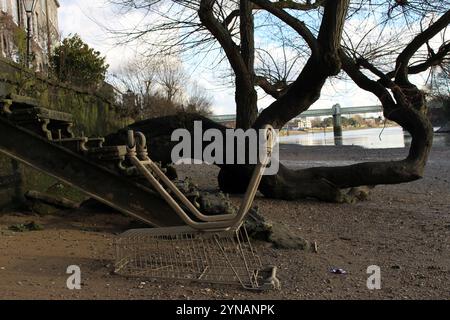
point(48, 123)
point(12, 102)
point(80, 144)
point(109, 153)
point(34, 113)
point(77, 144)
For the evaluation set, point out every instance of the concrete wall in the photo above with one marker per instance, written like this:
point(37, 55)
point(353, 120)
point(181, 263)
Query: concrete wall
point(95, 115)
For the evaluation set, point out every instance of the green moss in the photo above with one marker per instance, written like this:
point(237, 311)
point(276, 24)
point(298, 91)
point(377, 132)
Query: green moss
point(58, 190)
point(31, 226)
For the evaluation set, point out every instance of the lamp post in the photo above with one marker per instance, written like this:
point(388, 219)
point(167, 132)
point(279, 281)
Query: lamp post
point(29, 8)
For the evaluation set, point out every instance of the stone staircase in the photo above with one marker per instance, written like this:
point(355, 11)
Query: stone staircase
point(45, 140)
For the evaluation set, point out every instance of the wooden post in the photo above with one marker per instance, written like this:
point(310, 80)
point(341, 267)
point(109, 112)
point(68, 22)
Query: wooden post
point(337, 125)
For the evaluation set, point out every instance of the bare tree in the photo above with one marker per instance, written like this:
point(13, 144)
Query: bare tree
point(138, 75)
point(199, 101)
point(372, 62)
point(171, 78)
point(159, 87)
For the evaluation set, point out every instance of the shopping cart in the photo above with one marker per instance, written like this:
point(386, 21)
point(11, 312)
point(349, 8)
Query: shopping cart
point(209, 248)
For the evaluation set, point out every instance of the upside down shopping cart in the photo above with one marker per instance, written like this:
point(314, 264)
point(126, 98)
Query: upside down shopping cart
point(209, 248)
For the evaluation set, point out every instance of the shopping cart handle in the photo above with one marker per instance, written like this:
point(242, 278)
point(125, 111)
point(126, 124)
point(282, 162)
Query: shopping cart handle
point(138, 156)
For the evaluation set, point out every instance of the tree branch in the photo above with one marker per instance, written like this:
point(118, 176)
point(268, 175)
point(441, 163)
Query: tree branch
point(280, 5)
point(298, 6)
point(233, 15)
point(274, 90)
point(434, 60)
point(206, 15)
point(291, 21)
point(406, 55)
point(362, 81)
point(385, 80)
point(305, 90)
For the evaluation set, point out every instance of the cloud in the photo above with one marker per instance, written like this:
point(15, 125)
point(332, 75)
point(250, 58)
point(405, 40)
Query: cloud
point(90, 19)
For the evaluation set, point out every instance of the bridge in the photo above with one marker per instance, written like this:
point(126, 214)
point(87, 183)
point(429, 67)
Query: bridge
point(335, 110)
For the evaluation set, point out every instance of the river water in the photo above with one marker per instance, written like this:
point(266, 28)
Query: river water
point(392, 137)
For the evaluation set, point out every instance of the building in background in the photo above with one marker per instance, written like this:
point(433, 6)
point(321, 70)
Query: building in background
point(304, 123)
point(44, 30)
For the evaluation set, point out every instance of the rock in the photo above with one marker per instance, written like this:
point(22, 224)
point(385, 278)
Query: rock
point(257, 226)
point(207, 203)
point(215, 204)
point(281, 236)
point(54, 199)
point(359, 193)
point(50, 199)
point(32, 226)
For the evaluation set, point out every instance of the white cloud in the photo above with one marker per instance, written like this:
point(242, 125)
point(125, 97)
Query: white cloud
point(89, 19)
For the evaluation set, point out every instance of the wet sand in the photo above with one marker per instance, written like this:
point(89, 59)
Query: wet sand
point(404, 229)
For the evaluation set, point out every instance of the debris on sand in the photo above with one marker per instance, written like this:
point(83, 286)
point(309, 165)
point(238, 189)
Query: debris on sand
point(338, 271)
point(32, 226)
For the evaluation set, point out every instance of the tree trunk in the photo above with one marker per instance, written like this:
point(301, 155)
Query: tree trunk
point(246, 104)
point(245, 95)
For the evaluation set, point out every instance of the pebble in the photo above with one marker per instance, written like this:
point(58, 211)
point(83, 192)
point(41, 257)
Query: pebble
point(315, 247)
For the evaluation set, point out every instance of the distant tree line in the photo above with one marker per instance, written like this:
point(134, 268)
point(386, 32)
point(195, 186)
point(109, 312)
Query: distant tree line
point(354, 121)
point(158, 86)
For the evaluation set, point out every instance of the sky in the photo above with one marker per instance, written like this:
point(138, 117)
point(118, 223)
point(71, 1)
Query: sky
point(86, 18)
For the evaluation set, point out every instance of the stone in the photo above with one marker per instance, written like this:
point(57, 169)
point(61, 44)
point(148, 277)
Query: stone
point(283, 237)
point(280, 235)
point(60, 191)
point(32, 226)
